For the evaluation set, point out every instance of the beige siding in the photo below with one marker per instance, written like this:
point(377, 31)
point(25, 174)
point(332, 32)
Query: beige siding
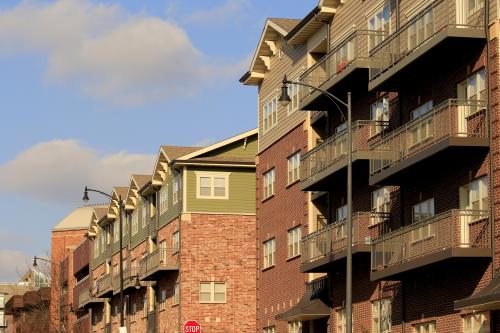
point(293, 60)
point(236, 149)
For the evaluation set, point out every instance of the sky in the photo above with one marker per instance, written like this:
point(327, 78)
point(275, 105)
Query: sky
point(89, 90)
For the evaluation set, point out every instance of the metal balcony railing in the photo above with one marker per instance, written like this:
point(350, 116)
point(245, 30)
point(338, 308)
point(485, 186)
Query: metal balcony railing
point(334, 149)
point(452, 118)
point(103, 284)
point(438, 16)
point(161, 259)
point(453, 229)
point(129, 278)
point(332, 238)
point(82, 325)
point(351, 48)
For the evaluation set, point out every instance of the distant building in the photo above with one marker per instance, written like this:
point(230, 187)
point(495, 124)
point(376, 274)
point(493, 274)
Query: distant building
point(29, 312)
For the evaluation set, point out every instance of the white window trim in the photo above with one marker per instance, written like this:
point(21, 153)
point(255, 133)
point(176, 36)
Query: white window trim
point(270, 126)
point(269, 253)
point(272, 185)
point(176, 294)
point(292, 233)
point(294, 158)
point(212, 292)
point(212, 175)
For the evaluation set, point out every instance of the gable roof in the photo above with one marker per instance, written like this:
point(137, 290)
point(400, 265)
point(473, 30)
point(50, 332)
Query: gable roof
point(136, 183)
point(285, 23)
point(174, 152)
point(78, 219)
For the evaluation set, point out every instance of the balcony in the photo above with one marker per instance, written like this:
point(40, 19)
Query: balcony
point(152, 327)
point(328, 245)
point(450, 235)
point(81, 257)
point(129, 279)
point(103, 287)
point(82, 294)
point(158, 263)
point(322, 162)
point(348, 62)
point(82, 325)
point(425, 42)
point(447, 133)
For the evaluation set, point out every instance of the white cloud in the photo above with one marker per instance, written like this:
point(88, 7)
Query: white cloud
point(108, 53)
point(14, 264)
point(56, 171)
point(230, 9)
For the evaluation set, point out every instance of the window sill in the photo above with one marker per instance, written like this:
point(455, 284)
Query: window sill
point(268, 198)
point(293, 183)
point(293, 258)
point(267, 268)
point(174, 305)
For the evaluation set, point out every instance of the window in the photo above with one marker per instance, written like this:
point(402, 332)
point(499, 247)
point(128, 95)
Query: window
point(294, 93)
point(476, 323)
point(429, 327)
point(379, 112)
point(294, 237)
point(474, 5)
point(103, 239)
point(473, 89)
point(344, 55)
point(144, 306)
point(212, 292)
point(422, 130)
point(133, 311)
point(380, 22)
point(115, 270)
point(175, 191)
point(176, 294)
point(269, 329)
point(116, 231)
point(294, 168)
point(144, 213)
point(340, 229)
point(269, 180)
point(2, 318)
point(212, 185)
point(381, 313)
point(420, 30)
point(116, 311)
point(2, 300)
point(269, 252)
point(340, 320)
point(474, 196)
point(294, 327)
point(381, 203)
point(164, 199)
point(96, 247)
point(176, 241)
point(422, 211)
point(270, 114)
point(135, 222)
point(163, 251)
point(163, 298)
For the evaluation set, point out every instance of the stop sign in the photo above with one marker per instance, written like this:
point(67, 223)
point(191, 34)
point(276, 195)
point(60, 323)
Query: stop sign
point(192, 326)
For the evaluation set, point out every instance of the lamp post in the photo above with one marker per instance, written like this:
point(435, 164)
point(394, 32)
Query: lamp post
point(120, 222)
point(284, 100)
point(61, 307)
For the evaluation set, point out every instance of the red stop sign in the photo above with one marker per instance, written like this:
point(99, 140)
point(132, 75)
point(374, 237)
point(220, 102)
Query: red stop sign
point(192, 326)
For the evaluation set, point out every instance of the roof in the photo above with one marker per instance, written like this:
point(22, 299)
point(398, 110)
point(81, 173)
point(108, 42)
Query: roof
point(121, 190)
point(78, 219)
point(100, 212)
point(487, 298)
point(220, 160)
point(141, 180)
point(218, 145)
point(174, 152)
point(285, 23)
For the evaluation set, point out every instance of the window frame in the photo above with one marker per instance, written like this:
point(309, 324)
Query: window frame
point(269, 253)
point(377, 307)
point(375, 40)
point(485, 317)
point(294, 167)
point(176, 242)
point(294, 241)
point(212, 176)
point(295, 326)
point(175, 191)
point(379, 112)
point(176, 297)
point(269, 183)
point(421, 327)
point(212, 292)
point(270, 117)
point(164, 198)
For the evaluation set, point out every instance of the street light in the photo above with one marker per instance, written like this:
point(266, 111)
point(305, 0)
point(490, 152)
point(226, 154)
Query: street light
point(120, 207)
point(284, 99)
point(61, 307)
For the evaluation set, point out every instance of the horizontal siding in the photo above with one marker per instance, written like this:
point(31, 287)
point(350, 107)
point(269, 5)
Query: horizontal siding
point(241, 192)
point(142, 231)
point(237, 149)
point(173, 210)
point(293, 60)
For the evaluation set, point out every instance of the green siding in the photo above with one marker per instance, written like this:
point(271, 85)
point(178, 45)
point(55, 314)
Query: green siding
point(236, 149)
point(241, 192)
point(96, 261)
point(142, 232)
point(173, 210)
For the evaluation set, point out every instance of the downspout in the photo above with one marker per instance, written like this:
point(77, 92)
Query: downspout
point(490, 137)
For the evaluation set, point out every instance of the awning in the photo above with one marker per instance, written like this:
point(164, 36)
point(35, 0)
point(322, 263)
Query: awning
point(487, 298)
point(313, 305)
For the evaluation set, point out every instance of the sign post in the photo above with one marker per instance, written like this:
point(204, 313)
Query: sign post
point(192, 326)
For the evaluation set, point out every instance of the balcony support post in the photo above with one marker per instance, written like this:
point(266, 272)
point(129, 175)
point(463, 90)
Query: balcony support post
point(349, 219)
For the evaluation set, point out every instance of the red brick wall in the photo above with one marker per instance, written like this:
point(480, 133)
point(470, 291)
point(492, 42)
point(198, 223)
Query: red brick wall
point(279, 287)
point(219, 248)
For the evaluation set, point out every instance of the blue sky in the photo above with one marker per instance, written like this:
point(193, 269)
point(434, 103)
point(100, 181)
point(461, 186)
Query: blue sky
point(90, 90)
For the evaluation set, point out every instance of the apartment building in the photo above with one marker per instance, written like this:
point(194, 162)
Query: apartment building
point(188, 245)
point(423, 77)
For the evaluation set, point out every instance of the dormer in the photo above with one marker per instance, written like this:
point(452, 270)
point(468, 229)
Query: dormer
point(136, 184)
point(117, 193)
point(166, 155)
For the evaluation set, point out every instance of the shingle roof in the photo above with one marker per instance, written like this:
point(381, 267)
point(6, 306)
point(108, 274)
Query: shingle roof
point(100, 212)
point(77, 219)
point(285, 23)
point(141, 180)
point(222, 159)
point(174, 152)
point(121, 191)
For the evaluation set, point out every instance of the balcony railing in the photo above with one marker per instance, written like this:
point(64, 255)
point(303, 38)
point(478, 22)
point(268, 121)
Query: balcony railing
point(159, 260)
point(452, 118)
point(81, 293)
point(333, 150)
point(103, 285)
point(333, 238)
point(107, 328)
point(343, 55)
point(456, 228)
point(82, 325)
point(129, 278)
point(437, 17)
